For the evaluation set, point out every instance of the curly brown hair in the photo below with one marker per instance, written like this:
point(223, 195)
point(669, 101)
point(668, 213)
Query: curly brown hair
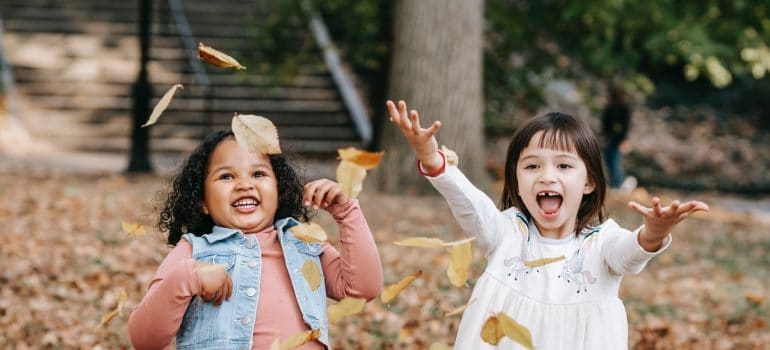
point(181, 211)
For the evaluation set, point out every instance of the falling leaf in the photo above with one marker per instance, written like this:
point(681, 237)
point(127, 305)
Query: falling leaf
point(118, 309)
point(459, 261)
point(543, 261)
point(364, 159)
point(217, 58)
point(500, 325)
point(351, 178)
point(345, 307)
point(309, 232)
point(460, 309)
point(255, 133)
point(755, 298)
point(392, 290)
point(276, 344)
point(133, 229)
point(439, 346)
point(312, 274)
point(462, 241)
point(162, 104)
point(298, 340)
point(451, 156)
point(421, 242)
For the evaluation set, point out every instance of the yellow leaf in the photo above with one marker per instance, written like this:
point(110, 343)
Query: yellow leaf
point(439, 346)
point(351, 178)
point(543, 261)
point(500, 325)
point(345, 307)
point(392, 290)
point(421, 242)
point(276, 344)
point(490, 331)
point(460, 309)
point(515, 331)
point(451, 156)
point(462, 241)
point(298, 340)
point(364, 159)
point(162, 104)
point(309, 232)
point(133, 229)
point(312, 274)
point(117, 311)
point(217, 58)
point(255, 133)
point(459, 261)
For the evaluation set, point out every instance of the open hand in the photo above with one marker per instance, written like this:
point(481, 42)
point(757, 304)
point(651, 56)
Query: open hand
point(660, 220)
point(423, 141)
point(323, 193)
point(216, 284)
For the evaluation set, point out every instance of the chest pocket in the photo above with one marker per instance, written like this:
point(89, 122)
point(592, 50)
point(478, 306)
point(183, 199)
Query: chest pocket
point(311, 249)
point(226, 259)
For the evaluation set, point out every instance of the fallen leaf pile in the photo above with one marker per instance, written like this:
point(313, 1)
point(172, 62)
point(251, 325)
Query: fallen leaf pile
point(65, 257)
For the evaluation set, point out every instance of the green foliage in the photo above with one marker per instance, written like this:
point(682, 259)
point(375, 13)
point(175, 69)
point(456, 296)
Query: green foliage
point(706, 45)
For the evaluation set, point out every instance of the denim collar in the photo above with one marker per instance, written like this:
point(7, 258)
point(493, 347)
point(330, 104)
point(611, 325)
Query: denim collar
point(219, 233)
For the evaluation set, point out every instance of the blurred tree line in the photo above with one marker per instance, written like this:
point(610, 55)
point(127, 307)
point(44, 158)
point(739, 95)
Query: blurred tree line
point(672, 52)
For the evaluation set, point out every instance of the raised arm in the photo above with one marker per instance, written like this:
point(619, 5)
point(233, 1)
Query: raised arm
point(473, 209)
point(355, 270)
point(659, 220)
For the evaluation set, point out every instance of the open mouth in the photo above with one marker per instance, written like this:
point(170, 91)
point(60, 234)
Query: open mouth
point(246, 203)
point(549, 202)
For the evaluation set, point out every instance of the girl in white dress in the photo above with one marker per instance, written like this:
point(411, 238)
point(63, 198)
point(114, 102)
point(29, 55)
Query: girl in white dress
point(552, 210)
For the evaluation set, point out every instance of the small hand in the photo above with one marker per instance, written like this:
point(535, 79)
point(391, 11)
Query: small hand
point(423, 141)
point(216, 284)
point(659, 220)
point(323, 193)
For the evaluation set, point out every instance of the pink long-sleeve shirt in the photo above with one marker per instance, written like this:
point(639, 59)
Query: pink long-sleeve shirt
point(354, 271)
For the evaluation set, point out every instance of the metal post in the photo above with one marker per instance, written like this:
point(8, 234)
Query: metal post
point(142, 92)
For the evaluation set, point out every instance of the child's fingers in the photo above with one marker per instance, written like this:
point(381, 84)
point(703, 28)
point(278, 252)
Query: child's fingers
point(434, 128)
point(656, 206)
point(393, 112)
point(644, 211)
point(334, 195)
point(414, 117)
point(321, 197)
point(309, 192)
point(403, 116)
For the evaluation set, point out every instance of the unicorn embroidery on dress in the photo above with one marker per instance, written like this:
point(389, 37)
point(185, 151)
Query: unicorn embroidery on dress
point(517, 265)
point(572, 270)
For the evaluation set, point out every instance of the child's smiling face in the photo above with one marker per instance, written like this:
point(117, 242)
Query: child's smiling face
point(551, 183)
point(240, 190)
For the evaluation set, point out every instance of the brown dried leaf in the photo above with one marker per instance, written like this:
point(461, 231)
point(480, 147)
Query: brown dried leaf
point(351, 178)
point(162, 105)
point(364, 159)
point(544, 261)
point(256, 133)
point(309, 232)
point(462, 241)
point(459, 262)
point(312, 274)
point(298, 340)
point(133, 229)
point(117, 311)
point(345, 307)
point(217, 58)
point(392, 290)
point(500, 325)
point(460, 309)
point(451, 156)
point(421, 242)
point(755, 298)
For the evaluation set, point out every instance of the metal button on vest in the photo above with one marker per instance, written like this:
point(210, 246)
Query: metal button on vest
point(250, 242)
point(251, 292)
point(314, 248)
point(252, 264)
point(246, 320)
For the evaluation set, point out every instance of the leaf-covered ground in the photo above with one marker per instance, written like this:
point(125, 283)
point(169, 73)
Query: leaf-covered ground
point(64, 259)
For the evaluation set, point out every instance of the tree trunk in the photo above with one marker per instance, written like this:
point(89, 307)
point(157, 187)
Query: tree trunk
point(437, 69)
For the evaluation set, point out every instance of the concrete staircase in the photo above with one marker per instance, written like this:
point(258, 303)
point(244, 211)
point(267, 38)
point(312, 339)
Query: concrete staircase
point(74, 62)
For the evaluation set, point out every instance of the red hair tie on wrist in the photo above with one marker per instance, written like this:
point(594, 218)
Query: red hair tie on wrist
point(435, 173)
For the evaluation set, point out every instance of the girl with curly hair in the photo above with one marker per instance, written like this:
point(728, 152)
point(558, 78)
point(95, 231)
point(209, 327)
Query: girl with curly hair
point(233, 279)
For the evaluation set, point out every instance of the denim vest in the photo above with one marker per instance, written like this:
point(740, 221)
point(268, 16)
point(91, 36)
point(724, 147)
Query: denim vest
point(230, 325)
